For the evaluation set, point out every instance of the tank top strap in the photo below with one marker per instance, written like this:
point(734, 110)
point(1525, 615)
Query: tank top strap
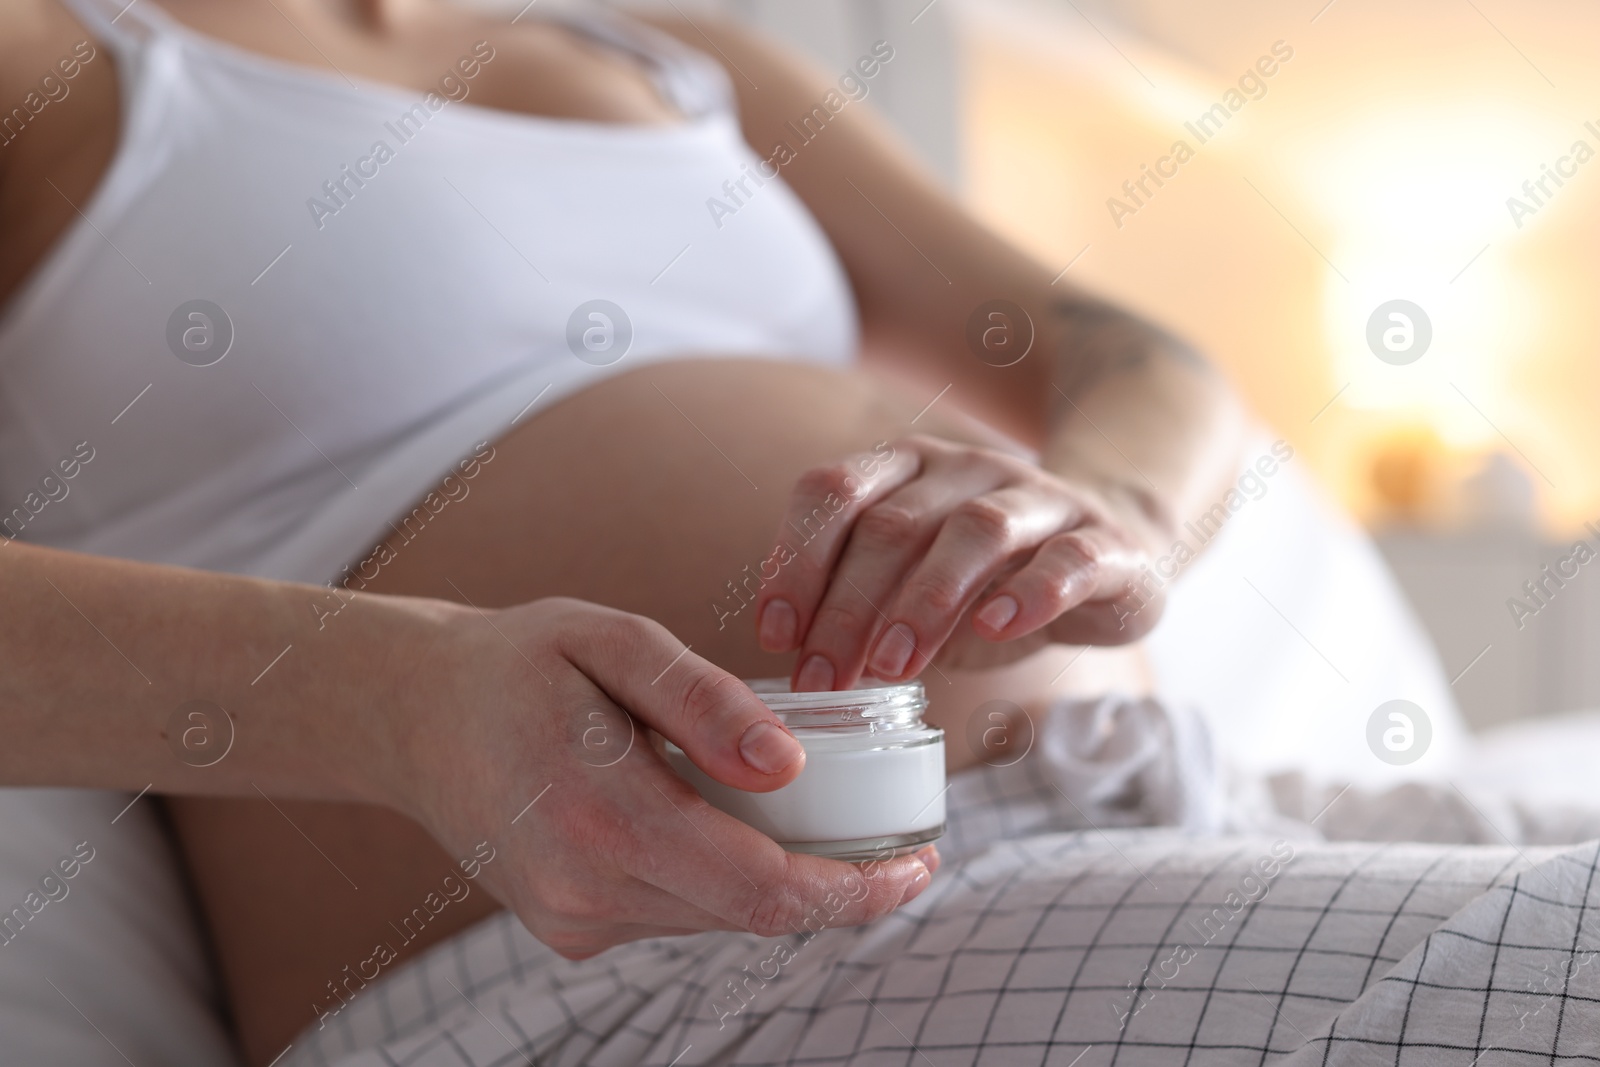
point(691, 80)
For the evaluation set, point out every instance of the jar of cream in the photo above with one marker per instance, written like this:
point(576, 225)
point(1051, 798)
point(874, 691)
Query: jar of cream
point(873, 784)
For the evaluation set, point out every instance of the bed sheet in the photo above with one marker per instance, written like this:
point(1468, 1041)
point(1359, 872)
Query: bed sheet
point(1047, 942)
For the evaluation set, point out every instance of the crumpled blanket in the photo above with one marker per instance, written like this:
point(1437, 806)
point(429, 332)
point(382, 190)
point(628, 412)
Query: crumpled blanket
point(1058, 932)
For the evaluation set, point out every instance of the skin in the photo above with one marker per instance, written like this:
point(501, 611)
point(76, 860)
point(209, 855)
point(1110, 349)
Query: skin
point(412, 729)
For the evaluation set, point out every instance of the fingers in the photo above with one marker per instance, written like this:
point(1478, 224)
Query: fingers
point(624, 848)
point(979, 537)
point(650, 824)
point(653, 859)
point(1080, 583)
point(742, 877)
point(824, 507)
point(886, 542)
point(891, 565)
point(894, 571)
point(784, 892)
point(583, 931)
point(714, 717)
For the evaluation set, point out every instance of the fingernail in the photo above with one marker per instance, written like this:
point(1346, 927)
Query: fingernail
point(918, 883)
point(999, 612)
point(769, 749)
point(778, 624)
point(816, 676)
point(893, 651)
point(929, 857)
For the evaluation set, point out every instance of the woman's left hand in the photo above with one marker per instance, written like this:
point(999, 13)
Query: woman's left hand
point(883, 557)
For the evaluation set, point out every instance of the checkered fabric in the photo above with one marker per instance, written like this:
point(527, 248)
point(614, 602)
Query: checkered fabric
point(1041, 942)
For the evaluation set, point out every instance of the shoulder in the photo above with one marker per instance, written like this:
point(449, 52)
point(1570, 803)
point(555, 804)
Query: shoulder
point(708, 32)
point(42, 46)
point(750, 56)
point(31, 33)
point(58, 127)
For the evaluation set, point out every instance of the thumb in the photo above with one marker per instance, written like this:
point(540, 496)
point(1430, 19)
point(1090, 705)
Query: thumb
point(723, 727)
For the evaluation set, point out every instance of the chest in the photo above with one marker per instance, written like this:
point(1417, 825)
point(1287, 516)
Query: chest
point(58, 156)
point(540, 67)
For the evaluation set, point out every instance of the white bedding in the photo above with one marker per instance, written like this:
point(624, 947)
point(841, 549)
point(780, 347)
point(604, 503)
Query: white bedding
point(1041, 943)
point(113, 970)
point(1289, 630)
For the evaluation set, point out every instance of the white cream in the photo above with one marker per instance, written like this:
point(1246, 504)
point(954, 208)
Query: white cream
point(873, 783)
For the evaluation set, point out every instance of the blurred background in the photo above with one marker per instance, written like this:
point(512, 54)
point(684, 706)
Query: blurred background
point(1377, 162)
point(1378, 165)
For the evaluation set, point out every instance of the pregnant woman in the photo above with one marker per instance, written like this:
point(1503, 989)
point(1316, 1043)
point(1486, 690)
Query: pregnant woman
point(421, 388)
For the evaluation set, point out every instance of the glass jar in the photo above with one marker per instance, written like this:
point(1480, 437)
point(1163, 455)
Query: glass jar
point(873, 784)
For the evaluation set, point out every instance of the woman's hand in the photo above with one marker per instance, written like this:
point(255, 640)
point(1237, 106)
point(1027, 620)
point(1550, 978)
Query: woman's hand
point(597, 842)
point(884, 557)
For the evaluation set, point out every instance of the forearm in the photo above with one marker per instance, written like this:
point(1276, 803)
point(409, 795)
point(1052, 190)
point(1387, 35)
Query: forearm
point(1139, 414)
point(922, 268)
point(98, 655)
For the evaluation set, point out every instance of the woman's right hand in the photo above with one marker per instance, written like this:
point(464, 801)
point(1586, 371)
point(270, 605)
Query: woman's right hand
point(519, 733)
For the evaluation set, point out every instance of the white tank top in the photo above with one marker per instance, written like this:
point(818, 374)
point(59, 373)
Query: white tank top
point(382, 310)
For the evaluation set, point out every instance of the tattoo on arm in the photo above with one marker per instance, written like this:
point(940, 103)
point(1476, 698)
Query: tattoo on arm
point(1098, 340)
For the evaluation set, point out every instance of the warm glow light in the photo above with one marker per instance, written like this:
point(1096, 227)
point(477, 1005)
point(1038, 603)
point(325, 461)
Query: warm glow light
point(1377, 168)
point(1476, 321)
point(1426, 175)
point(1416, 198)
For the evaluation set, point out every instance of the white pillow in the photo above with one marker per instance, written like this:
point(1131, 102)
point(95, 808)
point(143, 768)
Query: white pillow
point(1288, 597)
point(107, 966)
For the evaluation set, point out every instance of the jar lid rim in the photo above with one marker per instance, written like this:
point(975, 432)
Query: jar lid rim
point(867, 696)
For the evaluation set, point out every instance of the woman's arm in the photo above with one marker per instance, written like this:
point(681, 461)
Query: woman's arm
point(96, 654)
point(922, 266)
point(455, 717)
point(1137, 430)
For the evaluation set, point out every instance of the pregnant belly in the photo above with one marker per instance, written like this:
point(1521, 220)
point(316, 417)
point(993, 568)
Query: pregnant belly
point(654, 490)
point(650, 492)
